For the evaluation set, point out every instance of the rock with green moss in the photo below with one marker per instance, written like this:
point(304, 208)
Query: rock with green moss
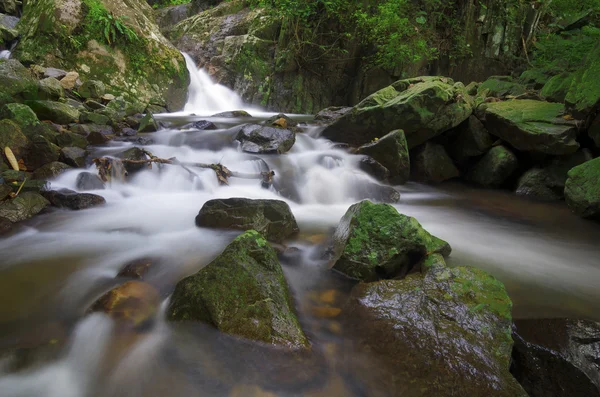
point(23, 207)
point(451, 327)
point(20, 114)
point(73, 156)
point(243, 292)
point(582, 190)
point(391, 151)
point(470, 139)
point(50, 170)
point(50, 89)
point(583, 96)
point(500, 86)
point(493, 169)
point(259, 139)
point(534, 78)
point(374, 241)
point(556, 89)
point(65, 139)
point(57, 112)
point(272, 218)
point(40, 152)
point(135, 153)
point(16, 82)
point(423, 107)
point(431, 164)
point(94, 118)
point(115, 42)
point(12, 136)
point(531, 125)
point(92, 89)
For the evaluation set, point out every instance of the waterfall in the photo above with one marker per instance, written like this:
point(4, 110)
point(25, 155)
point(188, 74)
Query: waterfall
point(5, 54)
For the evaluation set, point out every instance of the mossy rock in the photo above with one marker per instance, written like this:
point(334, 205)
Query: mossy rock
point(531, 125)
point(374, 241)
point(431, 164)
point(423, 107)
point(92, 89)
point(40, 152)
point(391, 151)
point(50, 89)
point(450, 327)
point(500, 86)
point(470, 139)
point(73, 156)
point(23, 207)
point(66, 139)
point(583, 96)
point(16, 82)
point(582, 190)
point(243, 292)
point(20, 114)
point(57, 112)
point(94, 118)
point(556, 89)
point(12, 136)
point(534, 78)
point(50, 170)
point(272, 218)
point(493, 169)
point(259, 139)
point(134, 153)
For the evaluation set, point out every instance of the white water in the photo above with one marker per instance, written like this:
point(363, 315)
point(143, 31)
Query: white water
point(4, 54)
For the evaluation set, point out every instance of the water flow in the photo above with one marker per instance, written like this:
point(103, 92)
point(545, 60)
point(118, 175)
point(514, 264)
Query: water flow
point(5, 54)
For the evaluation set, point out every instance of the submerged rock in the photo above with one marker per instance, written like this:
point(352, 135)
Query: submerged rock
point(135, 153)
point(443, 333)
point(582, 190)
point(258, 139)
point(374, 241)
point(557, 357)
point(23, 207)
point(530, 125)
point(136, 269)
point(272, 218)
point(89, 181)
point(243, 292)
point(431, 163)
point(66, 198)
point(391, 151)
point(494, 168)
point(423, 107)
point(133, 304)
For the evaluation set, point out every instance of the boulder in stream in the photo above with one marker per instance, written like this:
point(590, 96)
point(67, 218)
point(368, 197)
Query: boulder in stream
point(470, 139)
point(70, 199)
point(23, 207)
point(243, 292)
point(391, 151)
point(374, 241)
point(50, 170)
point(135, 153)
point(493, 169)
point(582, 190)
point(73, 156)
point(272, 218)
point(259, 139)
point(89, 181)
point(431, 163)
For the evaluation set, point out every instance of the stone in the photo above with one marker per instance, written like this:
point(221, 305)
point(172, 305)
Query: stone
point(391, 151)
point(374, 241)
point(557, 357)
point(88, 181)
point(366, 190)
point(493, 169)
point(132, 305)
point(66, 198)
point(108, 97)
point(50, 89)
point(582, 190)
point(16, 82)
point(500, 86)
point(5, 191)
point(93, 105)
point(531, 125)
point(92, 89)
point(272, 218)
point(71, 139)
point(97, 138)
point(374, 168)
point(73, 156)
point(56, 112)
point(556, 89)
point(10, 7)
point(50, 171)
point(5, 226)
point(534, 78)
point(20, 114)
point(70, 81)
point(93, 118)
point(40, 152)
point(331, 114)
point(258, 139)
point(137, 269)
point(134, 153)
point(11, 136)
point(197, 125)
point(451, 327)
point(243, 292)
point(470, 139)
point(281, 121)
point(23, 207)
point(431, 164)
point(423, 107)
point(54, 72)
point(232, 114)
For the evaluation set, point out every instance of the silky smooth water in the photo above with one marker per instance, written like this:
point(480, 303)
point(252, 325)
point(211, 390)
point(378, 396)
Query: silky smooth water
point(54, 267)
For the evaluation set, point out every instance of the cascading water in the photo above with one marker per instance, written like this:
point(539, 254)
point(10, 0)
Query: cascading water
point(54, 268)
point(4, 54)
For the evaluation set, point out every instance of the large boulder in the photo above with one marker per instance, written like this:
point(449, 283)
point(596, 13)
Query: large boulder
point(73, 156)
point(243, 292)
point(135, 153)
point(557, 357)
point(20, 114)
point(391, 151)
point(272, 218)
point(12, 136)
point(582, 190)
point(40, 152)
point(88, 181)
point(470, 139)
point(66, 198)
point(431, 163)
point(443, 333)
point(57, 112)
point(16, 82)
point(493, 169)
point(423, 107)
point(50, 89)
point(530, 125)
point(374, 241)
point(500, 86)
point(23, 207)
point(127, 53)
point(259, 139)
point(50, 170)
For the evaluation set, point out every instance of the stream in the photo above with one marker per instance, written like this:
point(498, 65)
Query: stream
point(54, 267)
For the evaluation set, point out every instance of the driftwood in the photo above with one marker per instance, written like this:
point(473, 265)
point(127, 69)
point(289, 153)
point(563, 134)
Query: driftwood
point(106, 165)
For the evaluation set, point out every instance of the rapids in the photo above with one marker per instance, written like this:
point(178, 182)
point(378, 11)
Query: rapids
point(54, 267)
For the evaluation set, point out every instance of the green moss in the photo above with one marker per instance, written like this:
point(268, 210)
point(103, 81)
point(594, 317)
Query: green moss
point(528, 114)
point(582, 189)
point(500, 87)
point(557, 87)
point(584, 93)
point(11, 136)
point(20, 114)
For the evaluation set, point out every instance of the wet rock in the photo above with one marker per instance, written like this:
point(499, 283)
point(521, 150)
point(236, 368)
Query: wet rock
point(431, 163)
point(134, 121)
point(374, 241)
point(50, 89)
point(155, 109)
point(374, 168)
point(93, 118)
point(73, 156)
point(70, 199)
point(450, 326)
point(258, 139)
point(70, 81)
point(280, 121)
point(88, 181)
point(92, 89)
point(11, 136)
point(374, 191)
point(133, 304)
point(423, 107)
point(23, 207)
point(93, 105)
point(5, 190)
point(272, 218)
point(500, 86)
point(557, 357)
point(50, 170)
point(56, 112)
point(494, 168)
point(136, 269)
point(56, 73)
point(134, 153)
point(582, 190)
point(40, 152)
point(200, 125)
point(232, 114)
point(391, 151)
point(97, 138)
point(16, 83)
point(530, 125)
point(5, 226)
point(20, 114)
point(71, 139)
point(470, 139)
point(331, 114)
point(86, 129)
point(242, 292)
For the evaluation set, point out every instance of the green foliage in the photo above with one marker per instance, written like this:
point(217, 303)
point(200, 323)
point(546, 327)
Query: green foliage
point(112, 28)
point(566, 8)
point(565, 51)
point(168, 3)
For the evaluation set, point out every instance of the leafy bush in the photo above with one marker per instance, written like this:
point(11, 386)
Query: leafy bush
point(111, 29)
